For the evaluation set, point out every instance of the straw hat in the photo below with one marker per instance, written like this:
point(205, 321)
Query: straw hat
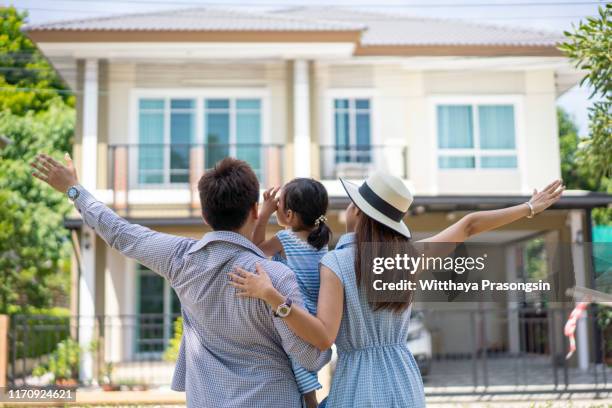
point(384, 198)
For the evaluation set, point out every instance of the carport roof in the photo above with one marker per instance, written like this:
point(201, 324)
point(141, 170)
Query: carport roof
point(581, 200)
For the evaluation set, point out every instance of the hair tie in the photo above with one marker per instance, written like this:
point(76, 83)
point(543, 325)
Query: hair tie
point(321, 219)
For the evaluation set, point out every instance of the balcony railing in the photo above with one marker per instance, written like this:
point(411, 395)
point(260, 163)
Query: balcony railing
point(358, 161)
point(180, 166)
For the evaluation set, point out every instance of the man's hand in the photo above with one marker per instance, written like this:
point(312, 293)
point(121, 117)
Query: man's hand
point(52, 172)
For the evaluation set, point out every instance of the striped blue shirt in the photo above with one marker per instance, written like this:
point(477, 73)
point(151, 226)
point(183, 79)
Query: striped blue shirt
point(303, 259)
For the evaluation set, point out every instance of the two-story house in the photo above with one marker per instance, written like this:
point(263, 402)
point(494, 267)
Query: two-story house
point(465, 113)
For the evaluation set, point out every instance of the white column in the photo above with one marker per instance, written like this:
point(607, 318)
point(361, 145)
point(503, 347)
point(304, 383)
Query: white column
point(87, 279)
point(90, 125)
point(87, 293)
point(578, 260)
point(301, 119)
point(513, 316)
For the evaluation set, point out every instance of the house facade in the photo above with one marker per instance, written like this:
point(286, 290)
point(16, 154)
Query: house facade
point(464, 113)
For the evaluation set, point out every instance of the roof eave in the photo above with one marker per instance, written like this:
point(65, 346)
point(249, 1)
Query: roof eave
point(252, 36)
point(458, 50)
point(479, 202)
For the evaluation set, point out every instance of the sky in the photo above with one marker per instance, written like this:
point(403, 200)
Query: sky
point(552, 15)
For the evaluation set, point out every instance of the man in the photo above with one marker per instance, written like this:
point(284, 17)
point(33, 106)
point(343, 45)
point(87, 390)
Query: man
point(234, 350)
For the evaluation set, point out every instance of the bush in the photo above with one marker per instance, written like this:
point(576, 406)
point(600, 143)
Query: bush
point(171, 353)
point(63, 363)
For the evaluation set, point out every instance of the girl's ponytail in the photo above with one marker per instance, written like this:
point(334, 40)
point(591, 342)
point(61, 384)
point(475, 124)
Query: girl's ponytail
point(321, 234)
point(308, 198)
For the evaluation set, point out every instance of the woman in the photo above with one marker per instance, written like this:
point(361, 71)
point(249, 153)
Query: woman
point(375, 367)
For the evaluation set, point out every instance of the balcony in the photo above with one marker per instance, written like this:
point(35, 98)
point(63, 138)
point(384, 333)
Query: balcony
point(357, 162)
point(159, 174)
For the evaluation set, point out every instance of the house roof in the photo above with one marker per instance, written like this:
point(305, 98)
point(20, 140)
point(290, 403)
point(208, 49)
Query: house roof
point(374, 33)
point(197, 19)
point(399, 29)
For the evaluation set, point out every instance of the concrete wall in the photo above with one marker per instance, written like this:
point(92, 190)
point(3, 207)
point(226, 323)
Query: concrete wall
point(402, 103)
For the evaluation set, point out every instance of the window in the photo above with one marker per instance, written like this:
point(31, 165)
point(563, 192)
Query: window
point(233, 128)
point(167, 132)
point(352, 130)
point(476, 136)
point(163, 152)
point(158, 307)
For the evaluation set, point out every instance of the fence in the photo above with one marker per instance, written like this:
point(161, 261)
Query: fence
point(177, 167)
point(479, 350)
point(130, 350)
point(512, 350)
point(358, 161)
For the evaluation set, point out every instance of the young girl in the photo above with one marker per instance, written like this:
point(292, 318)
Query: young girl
point(301, 209)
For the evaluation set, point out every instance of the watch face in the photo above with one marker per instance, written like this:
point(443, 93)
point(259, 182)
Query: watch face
point(72, 193)
point(283, 311)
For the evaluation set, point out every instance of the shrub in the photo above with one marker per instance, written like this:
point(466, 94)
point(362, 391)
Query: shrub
point(171, 353)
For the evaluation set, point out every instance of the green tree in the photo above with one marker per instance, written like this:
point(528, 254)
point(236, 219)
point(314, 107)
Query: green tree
point(34, 249)
point(573, 175)
point(37, 115)
point(589, 45)
point(27, 80)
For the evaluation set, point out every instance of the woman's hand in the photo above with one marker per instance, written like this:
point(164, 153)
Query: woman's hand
point(255, 285)
point(547, 197)
point(270, 202)
point(482, 221)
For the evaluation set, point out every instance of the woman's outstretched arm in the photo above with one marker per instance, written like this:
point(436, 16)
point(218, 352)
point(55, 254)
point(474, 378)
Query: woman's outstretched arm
point(482, 221)
point(320, 330)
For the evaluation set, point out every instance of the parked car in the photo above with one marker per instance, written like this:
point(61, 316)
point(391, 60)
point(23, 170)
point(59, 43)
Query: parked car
point(419, 342)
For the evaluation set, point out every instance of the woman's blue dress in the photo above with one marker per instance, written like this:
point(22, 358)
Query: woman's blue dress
point(375, 367)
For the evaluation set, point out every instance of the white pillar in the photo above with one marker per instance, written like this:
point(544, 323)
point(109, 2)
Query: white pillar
point(514, 343)
point(87, 279)
point(301, 119)
point(87, 293)
point(90, 125)
point(578, 259)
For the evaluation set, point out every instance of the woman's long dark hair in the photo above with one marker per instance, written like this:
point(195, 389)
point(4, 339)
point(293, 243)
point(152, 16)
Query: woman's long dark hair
point(376, 240)
point(308, 199)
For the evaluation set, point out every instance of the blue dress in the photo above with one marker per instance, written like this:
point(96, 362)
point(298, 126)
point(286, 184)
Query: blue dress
point(303, 259)
point(375, 367)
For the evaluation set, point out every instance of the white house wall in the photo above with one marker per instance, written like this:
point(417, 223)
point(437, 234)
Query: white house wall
point(401, 108)
point(125, 77)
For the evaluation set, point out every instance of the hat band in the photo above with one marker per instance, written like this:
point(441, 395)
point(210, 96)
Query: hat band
point(380, 204)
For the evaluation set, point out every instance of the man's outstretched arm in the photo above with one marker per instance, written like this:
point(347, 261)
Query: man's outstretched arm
point(162, 253)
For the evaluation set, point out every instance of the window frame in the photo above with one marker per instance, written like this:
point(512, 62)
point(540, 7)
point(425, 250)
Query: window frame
point(477, 152)
point(167, 313)
point(328, 113)
point(199, 95)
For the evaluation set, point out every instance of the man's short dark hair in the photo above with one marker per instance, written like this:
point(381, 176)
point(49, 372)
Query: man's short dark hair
point(227, 194)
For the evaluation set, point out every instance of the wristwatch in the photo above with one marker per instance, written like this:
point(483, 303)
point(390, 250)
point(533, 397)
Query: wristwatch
point(284, 308)
point(73, 193)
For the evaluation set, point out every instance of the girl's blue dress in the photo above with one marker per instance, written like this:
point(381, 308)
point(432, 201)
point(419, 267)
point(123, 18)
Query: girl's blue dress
point(375, 367)
point(303, 259)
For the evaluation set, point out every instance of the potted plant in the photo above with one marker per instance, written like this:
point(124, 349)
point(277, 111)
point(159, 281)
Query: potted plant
point(63, 364)
point(132, 385)
point(106, 378)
